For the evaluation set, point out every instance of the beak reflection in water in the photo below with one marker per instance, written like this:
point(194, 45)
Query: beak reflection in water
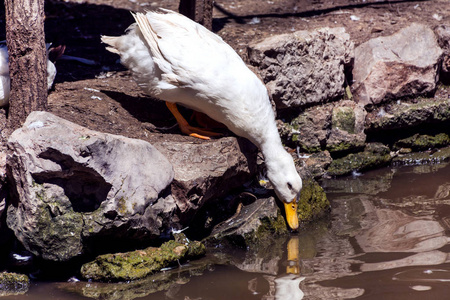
point(293, 261)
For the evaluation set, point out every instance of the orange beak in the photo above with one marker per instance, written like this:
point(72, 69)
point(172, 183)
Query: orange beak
point(291, 214)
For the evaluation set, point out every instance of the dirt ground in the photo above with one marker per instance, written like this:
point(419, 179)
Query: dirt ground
point(105, 98)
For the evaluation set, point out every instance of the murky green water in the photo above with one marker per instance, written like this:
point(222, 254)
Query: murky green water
point(387, 238)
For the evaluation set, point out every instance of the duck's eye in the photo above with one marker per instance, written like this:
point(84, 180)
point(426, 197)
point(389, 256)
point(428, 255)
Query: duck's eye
point(289, 185)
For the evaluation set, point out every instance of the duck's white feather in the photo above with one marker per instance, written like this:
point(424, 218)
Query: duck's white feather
point(177, 60)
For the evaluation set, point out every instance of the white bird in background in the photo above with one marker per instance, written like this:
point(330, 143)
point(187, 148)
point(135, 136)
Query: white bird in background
point(179, 61)
point(5, 81)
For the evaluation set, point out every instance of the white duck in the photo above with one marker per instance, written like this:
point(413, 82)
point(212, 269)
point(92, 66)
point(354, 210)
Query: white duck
point(179, 61)
point(5, 81)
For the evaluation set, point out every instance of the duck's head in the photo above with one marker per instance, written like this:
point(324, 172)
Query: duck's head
point(287, 184)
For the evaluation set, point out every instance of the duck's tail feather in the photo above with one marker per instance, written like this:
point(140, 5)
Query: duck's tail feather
point(148, 33)
point(111, 41)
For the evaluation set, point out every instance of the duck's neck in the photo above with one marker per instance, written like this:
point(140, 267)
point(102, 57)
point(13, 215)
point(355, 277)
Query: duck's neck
point(271, 146)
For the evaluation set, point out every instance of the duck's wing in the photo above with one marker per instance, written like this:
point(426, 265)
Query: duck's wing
point(188, 54)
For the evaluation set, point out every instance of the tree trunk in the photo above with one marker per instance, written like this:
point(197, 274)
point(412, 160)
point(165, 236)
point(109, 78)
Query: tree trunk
point(198, 10)
point(27, 59)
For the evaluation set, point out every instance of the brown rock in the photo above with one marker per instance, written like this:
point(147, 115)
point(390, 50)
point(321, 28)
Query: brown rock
point(403, 64)
point(207, 170)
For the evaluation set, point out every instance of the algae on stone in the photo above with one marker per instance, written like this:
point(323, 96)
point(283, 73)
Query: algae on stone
point(374, 155)
point(407, 115)
point(313, 202)
point(419, 142)
point(343, 118)
point(56, 235)
point(251, 224)
point(336, 127)
point(257, 224)
point(419, 158)
point(140, 263)
point(265, 233)
point(162, 281)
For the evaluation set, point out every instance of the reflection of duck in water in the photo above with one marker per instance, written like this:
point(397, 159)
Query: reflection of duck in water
point(287, 287)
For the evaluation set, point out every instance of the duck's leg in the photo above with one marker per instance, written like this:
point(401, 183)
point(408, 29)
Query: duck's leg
point(186, 128)
point(206, 122)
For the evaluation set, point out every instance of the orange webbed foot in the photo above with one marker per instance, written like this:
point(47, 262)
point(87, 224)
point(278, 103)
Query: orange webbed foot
point(188, 129)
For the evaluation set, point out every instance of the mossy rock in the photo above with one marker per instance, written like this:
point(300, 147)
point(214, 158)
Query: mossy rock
point(313, 203)
point(293, 135)
point(268, 229)
point(374, 155)
point(345, 146)
point(138, 289)
point(344, 119)
point(407, 115)
point(253, 226)
point(13, 284)
point(256, 225)
point(419, 142)
point(419, 158)
point(141, 263)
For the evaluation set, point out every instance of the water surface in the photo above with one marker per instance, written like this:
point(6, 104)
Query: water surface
point(386, 238)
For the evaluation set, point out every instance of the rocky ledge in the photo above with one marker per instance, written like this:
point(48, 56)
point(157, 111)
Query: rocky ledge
point(141, 263)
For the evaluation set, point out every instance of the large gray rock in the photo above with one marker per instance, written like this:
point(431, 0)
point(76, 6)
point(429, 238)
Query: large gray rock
point(207, 170)
point(403, 64)
point(71, 186)
point(304, 67)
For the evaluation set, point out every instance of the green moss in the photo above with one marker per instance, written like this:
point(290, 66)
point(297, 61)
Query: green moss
point(343, 118)
point(195, 248)
point(269, 229)
point(418, 158)
point(374, 155)
point(59, 236)
point(313, 202)
point(308, 149)
point(58, 229)
point(140, 263)
point(406, 115)
point(343, 146)
point(423, 142)
point(272, 226)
